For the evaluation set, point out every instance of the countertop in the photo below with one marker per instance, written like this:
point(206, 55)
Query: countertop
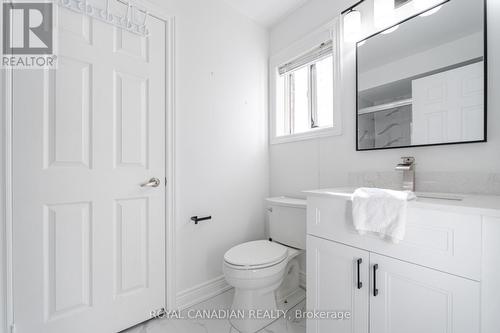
point(486, 205)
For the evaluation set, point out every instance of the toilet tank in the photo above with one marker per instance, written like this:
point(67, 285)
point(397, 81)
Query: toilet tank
point(287, 221)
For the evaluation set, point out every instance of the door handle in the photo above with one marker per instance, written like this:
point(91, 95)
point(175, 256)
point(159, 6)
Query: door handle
point(153, 182)
point(375, 290)
point(360, 284)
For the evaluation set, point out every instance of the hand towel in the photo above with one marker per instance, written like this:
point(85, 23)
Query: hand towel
point(380, 211)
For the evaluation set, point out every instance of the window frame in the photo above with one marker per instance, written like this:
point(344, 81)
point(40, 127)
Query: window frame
point(312, 112)
point(330, 31)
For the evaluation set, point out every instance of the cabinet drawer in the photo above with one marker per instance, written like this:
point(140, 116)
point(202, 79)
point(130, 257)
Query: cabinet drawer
point(438, 239)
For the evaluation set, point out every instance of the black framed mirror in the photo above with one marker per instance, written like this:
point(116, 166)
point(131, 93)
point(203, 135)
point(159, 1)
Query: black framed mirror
point(423, 81)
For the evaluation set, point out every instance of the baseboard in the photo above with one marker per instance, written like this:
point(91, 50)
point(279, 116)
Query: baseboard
point(302, 279)
point(202, 292)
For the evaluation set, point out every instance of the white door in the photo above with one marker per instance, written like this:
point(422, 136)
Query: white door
point(449, 106)
point(89, 242)
point(415, 299)
point(332, 285)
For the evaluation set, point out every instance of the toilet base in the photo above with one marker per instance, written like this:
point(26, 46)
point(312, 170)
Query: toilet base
point(263, 305)
point(287, 304)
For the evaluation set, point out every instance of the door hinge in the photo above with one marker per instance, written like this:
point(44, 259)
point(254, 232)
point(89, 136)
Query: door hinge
point(12, 328)
point(165, 181)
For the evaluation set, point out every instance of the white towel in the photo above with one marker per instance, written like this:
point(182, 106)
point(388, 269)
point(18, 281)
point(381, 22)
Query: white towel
point(379, 211)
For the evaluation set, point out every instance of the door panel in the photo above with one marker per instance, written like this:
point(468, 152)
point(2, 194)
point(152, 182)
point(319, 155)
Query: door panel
point(67, 131)
point(332, 285)
point(89, 242)
point(414, 299)
point(67, 230)
point(449, 106)
point(131, 114)
point(132, 258)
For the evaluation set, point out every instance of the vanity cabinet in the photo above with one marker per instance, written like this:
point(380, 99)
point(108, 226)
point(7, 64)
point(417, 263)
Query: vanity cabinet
point(332, 276)
point(392, 296)
point(433, 282)
point(439, 239)
point(415, 299)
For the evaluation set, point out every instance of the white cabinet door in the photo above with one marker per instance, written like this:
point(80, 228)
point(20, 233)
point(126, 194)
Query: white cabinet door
point(414, 299)
point(332, 285)
point(89, 242)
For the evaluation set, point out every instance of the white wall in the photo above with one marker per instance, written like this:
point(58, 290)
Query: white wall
point(221, 134)
point(327, 162)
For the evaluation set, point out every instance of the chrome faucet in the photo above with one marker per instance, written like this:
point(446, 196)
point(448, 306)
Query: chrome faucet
point(408, 168)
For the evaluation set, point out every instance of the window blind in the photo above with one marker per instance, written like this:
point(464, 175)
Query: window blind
point(320, 52)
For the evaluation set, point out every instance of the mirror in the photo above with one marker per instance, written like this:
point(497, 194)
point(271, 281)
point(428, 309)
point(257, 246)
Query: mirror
point(424, 83)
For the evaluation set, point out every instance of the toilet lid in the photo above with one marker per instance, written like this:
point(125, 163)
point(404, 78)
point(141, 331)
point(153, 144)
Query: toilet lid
point(256, 253)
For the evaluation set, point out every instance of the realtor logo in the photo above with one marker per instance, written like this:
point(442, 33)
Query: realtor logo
point(28, 35)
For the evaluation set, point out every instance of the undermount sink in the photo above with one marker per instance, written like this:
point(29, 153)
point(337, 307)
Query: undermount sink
point(438, 196)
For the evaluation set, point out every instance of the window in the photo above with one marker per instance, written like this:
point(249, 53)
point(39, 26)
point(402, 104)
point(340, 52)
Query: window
point(305, 89)
point(305, 93)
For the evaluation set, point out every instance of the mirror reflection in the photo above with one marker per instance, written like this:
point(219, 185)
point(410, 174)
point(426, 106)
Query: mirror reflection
point(424, 83)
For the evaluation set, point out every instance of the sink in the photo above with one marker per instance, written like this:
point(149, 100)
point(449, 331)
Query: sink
point(439, 196)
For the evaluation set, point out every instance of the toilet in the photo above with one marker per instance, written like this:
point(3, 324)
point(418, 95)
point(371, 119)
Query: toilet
point(265, 272)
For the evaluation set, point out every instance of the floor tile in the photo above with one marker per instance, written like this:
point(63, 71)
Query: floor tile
point(223, 301)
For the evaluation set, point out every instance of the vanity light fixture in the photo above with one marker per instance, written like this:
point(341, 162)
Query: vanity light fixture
point(384, 14)
point(352, 25)
point(392, 29)
point(427, 4)
point(431, 11)
point(352, 22)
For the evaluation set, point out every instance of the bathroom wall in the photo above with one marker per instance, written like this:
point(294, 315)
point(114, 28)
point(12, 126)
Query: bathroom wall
point(333, 161)
point(221, 137)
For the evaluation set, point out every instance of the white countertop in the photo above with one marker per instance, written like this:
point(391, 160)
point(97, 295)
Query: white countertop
point(287, 201)
point(487, 205)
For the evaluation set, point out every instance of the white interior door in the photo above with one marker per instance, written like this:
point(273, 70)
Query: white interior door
point(88, 241)
point(415, 299)
point(332, 282)
point(449, 106)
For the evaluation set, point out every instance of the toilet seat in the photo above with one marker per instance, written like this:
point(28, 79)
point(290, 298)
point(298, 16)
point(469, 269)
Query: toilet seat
point(256, 255)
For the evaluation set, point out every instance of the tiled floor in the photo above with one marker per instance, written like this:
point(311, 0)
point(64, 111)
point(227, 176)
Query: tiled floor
point(222, 301)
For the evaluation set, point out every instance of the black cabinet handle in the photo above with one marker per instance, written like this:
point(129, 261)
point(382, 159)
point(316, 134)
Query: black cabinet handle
point(375, 290)
point(360, 284)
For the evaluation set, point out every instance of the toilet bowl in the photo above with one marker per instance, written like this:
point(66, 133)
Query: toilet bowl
point(265, 273)
point(256, 270)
